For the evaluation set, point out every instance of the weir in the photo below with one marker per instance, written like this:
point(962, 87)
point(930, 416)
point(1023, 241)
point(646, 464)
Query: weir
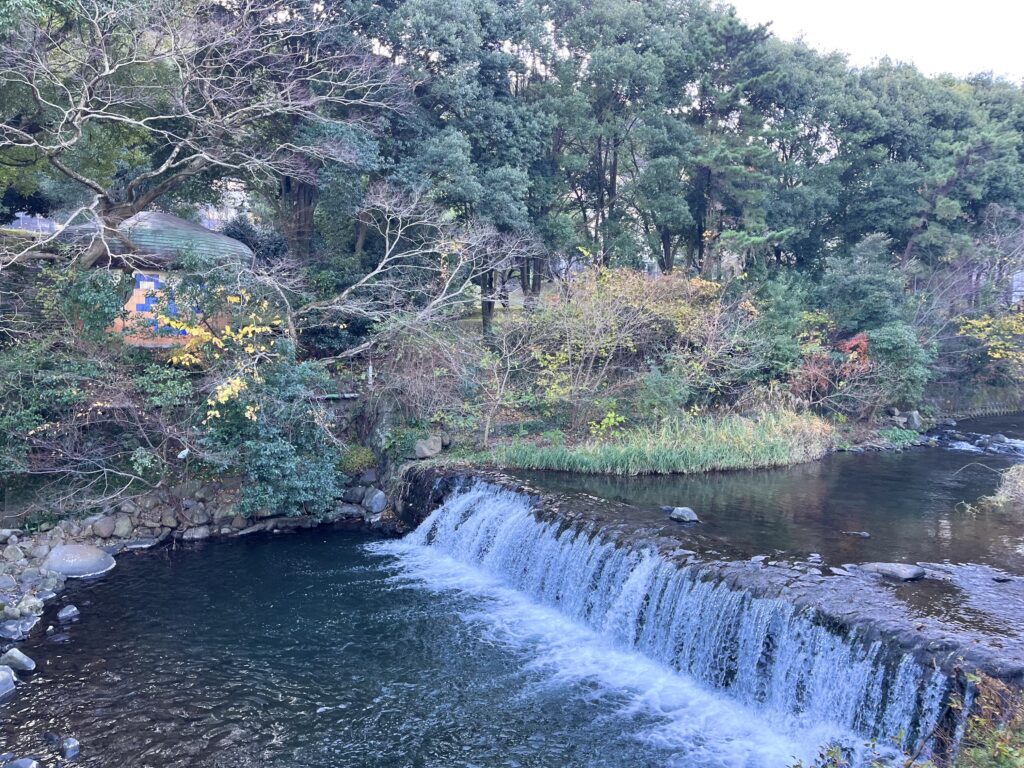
point(762, 651)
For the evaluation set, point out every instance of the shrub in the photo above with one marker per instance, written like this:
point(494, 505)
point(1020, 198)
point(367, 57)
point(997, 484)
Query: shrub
point(904, 362)
point(1011, 489)
point(356, 459)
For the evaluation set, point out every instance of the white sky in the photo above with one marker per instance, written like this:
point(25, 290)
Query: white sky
point(938, 36)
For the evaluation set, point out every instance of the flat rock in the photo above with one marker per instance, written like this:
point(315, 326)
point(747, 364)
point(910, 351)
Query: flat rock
point(17, 661)
point(900, 571)
point(24, 762)
point(78, 561)
point(860, 534)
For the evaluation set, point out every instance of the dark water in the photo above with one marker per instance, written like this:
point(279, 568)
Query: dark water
point(302, 651)
point(321, 650)
point(914, 505)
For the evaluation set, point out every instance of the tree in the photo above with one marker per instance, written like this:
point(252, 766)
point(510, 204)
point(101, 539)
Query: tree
point(183, 93)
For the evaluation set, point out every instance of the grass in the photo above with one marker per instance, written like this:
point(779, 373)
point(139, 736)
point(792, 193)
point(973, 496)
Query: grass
point(690, 445)
point(1010, 493)
point(899, 437)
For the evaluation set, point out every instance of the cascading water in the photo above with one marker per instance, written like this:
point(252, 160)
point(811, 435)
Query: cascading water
point(763, 652)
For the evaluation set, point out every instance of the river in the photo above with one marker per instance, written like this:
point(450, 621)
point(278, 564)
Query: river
point(485, 639)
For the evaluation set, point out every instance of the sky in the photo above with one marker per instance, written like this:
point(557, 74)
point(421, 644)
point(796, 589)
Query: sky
point(940, 36)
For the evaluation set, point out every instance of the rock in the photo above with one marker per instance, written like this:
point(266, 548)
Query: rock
point(355, 494)
point(25, 762)
point(375, 501)
point(78, 561)
point(253, 529)
point(104, 527)
point(681, 514)
point(900, 421)
point(39, 551)
point(147, 542)
point(68, 613)
point(429, 448)
point(123, 526)
point(343, 512)
point(196, 534)
point(70, 748)
point(369, 477)
point(446, 440)
point(893, 411)
point(914, 421)
point(30, 605)
point(17, 629)
point(238, 522)
point(7, 581)
point(861, 534)
point(1000, 438)
point(6, 533)
point(13, 553)
point(900, 571)
point(17, 661)
point(6, 682)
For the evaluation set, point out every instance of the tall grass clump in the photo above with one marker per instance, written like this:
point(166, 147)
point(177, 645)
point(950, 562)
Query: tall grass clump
point(683, 446)
point(1010, 494)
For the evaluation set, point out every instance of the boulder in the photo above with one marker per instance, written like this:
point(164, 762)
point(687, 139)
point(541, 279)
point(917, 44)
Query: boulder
point(369, 477)
point(7, 581)
point(1000, 439)
point(914, 421)
point(123, 526)
point(355, 494)
point(78, 561)
point(375, 501)
point(40, 550)
point(343, 512)
point(196, 534)
point(429, 448)
point(6, 533)
point(104, 527)
point(6, 682)
point(17, 661)
point(13, 553)
point(899, 571)
point(68, 613)
point(24, 762)
point(681, 514)
point(238, 522)
point(168, 519)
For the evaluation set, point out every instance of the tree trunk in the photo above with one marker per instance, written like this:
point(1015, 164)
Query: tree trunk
point(667, 260)
point(487, 304)
point(297, 205)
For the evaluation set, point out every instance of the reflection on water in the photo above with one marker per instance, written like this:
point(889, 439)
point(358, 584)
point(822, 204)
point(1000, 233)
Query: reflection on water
point(914, 505)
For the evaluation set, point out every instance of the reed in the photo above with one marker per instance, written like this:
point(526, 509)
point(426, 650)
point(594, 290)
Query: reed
point(686, 445)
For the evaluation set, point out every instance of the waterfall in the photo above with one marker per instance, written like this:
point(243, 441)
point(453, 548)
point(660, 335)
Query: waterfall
point(764, 652)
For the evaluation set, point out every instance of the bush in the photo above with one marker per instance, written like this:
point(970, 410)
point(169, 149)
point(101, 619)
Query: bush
point(905, 363)
point(275, 430)
point(356, 459)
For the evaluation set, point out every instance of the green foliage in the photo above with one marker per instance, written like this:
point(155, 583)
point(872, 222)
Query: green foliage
point(683, 446)
point(905, 362)
point(355, 459)
point(163, 386)
point(274, 430)
point(901, 438)
point(90, 300)
point(863, 291)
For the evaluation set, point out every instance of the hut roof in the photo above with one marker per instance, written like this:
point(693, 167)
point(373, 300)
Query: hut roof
point(161, 239)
